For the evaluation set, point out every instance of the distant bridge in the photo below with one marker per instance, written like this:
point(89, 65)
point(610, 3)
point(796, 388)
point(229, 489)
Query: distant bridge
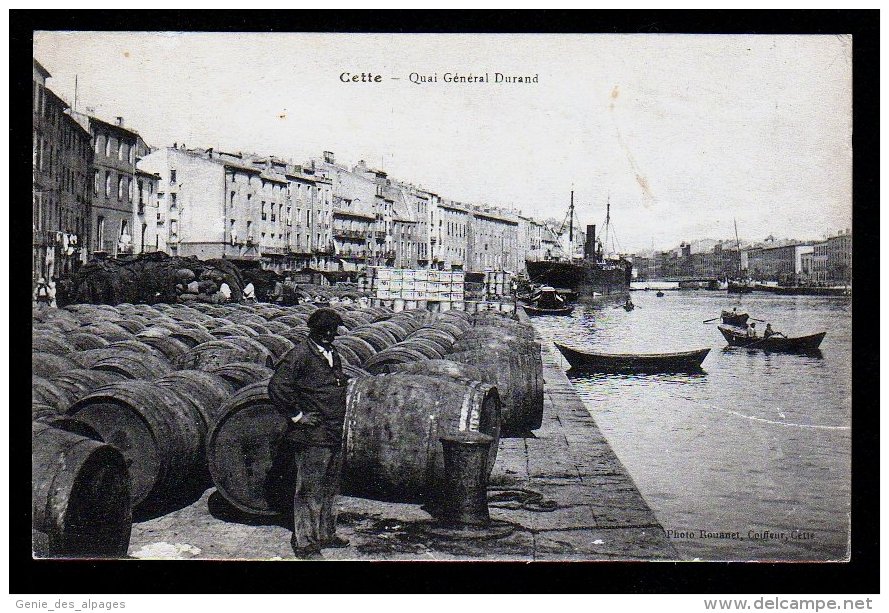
point(680, 279)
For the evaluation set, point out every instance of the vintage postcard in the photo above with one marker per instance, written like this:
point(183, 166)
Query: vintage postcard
point(442, 297)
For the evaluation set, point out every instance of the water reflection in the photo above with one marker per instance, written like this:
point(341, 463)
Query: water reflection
point(754, 441)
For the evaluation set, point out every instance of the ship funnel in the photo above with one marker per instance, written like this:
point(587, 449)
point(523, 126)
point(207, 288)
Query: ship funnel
point(589, 247)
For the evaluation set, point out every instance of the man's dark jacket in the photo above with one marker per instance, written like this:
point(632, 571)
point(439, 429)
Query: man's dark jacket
point(305, 382)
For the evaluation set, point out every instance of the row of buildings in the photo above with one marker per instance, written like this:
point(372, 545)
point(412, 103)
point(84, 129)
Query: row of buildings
point(99, 189)
point(825, 262)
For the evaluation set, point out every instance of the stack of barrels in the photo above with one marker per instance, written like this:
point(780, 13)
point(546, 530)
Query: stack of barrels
point(145, 399)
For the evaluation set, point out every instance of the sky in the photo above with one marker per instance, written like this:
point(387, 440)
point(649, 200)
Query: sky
point(682, 134)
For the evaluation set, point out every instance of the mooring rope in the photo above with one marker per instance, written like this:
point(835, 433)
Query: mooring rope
point(515, 498)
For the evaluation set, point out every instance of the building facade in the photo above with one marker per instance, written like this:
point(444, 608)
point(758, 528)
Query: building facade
point(116, 150)
point(61, 178)
point(493, 241)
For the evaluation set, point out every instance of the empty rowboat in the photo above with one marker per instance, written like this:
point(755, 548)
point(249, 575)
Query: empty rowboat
point(537, 311)
point(798, 344)
point(681, 361)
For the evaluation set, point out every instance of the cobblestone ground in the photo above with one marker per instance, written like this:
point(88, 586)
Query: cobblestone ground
point(590, 508)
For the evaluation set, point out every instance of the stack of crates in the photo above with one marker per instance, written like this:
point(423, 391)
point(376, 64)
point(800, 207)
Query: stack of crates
point(437, 290)
point(498, 284)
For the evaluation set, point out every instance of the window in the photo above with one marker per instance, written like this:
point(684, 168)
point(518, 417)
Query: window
point(233, 233)
point(119, 188)
point(100, 232)
point(262, 210)
point(132, 155)
point(121, 149)
point(173, 202)
point(107, 146)
point(107, 183)
point(172, 176)
point(174, 227)
point(130, 189)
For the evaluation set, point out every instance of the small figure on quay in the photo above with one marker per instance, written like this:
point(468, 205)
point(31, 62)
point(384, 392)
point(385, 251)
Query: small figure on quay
point(751, 331)
point(628, 305)
point(309, 384)
point(769, 332)
point(42, 293)
point(249, 293)
point(226, 291)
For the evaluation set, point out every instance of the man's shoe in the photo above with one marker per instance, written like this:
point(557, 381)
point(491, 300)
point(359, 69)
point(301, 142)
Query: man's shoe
point(335, 543)
point(307, 553)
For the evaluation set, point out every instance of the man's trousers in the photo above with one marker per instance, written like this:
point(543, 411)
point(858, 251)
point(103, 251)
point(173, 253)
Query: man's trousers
point(318, 472)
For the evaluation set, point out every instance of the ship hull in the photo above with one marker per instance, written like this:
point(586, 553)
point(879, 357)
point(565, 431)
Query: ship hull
point(589, 280)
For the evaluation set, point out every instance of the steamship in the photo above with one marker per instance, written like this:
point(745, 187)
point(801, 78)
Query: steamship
point(591, 278)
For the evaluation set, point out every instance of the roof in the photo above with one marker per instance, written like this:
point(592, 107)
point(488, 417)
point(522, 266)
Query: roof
point(41, 69)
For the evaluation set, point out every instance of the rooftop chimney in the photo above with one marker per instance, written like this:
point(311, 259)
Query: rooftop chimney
point(589, 247)
point(119, 121)
point(328, 157)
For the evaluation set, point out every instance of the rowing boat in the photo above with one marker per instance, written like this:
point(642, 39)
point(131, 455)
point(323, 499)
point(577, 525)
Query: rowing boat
point(534, 311)
point(732, 318)
point(798, 344)
point(681, 361)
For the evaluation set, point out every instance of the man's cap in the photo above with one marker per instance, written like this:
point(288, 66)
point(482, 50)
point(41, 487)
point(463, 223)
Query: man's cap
point(324, 319)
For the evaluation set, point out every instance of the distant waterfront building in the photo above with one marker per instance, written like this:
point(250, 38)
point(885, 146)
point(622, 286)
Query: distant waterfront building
point(450, 232)
point(116, 226)
point(216, 204)
point(832, 260)
point(781, 264)
point(492, 241)
point(61, 177)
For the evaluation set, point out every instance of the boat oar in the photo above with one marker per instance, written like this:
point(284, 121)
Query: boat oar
point(707, 321)
point(759, 320)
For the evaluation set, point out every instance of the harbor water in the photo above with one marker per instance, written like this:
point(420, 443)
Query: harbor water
point(749, 460)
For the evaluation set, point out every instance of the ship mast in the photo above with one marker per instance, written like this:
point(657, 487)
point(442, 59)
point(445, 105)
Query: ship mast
point(738, 243)
point(607, 219)
point(571, 227)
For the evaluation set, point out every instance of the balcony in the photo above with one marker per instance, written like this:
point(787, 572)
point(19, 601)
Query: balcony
point(274, 250)
point(352, 235)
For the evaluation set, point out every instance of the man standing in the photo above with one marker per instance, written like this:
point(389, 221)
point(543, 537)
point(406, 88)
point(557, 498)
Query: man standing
point(310, 386)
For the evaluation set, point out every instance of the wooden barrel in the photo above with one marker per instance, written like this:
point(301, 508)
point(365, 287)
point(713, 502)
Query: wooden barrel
point(459, 372)
point(378, 338)
point(135, 346)
point(242, 374)
point(135, 365)
point(429, 348)
point(519, 379)
point(496, 344)
point(247, 452)
point(256, 351)
point(258, 327)
point(353, 372)
point(212, 354)
point(399, 333)
point(79, 382)
point(48, 364)
point(359, 347)
point(233, 330)
point(276, 327)
point(347, 356)
point(46, 392)
point(442, 341)
point(192, 337)
point(51, 343)
point(205, 391)
point(397, 354)
point(159, 434)
point(131, 325)
point(107, 330)
point(85, 340)
point(296, 335)
point(393, 422)
point(276, 344)
point(41, 410)
point(80, 496)
point(167, 346)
